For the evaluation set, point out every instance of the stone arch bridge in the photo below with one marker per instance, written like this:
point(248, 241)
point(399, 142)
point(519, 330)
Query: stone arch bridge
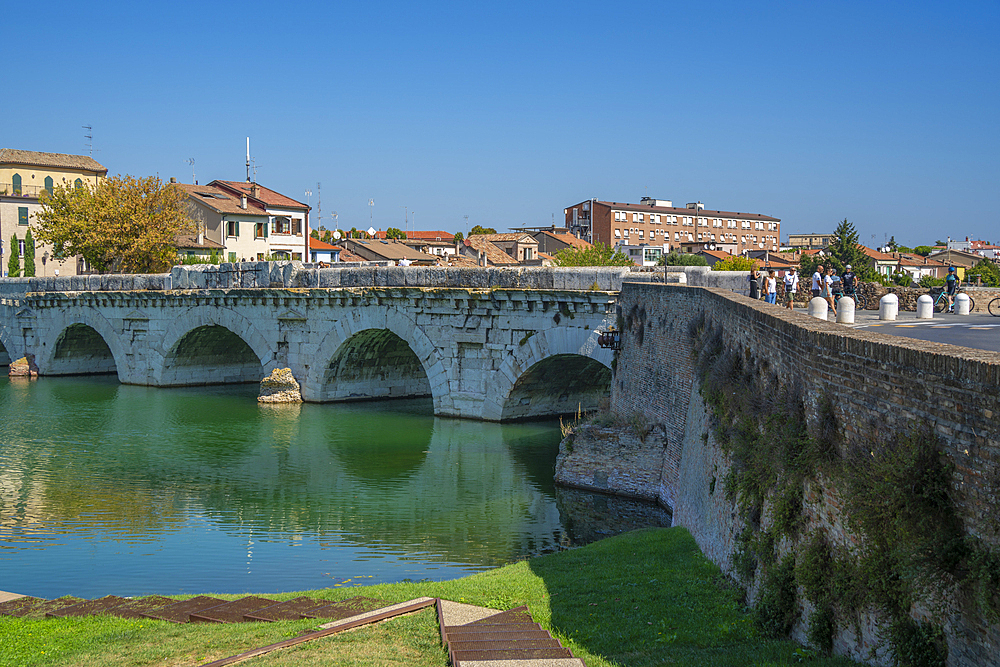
point(481, 353)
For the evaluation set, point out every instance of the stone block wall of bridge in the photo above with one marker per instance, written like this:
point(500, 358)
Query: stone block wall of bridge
point(481, 353)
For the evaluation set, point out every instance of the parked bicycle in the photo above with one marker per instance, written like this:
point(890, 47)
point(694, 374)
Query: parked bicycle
point(941, 303)
point(994, 307)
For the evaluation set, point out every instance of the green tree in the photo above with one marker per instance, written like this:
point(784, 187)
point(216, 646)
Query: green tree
point(458, 238)
point(314, 234)
point(735, 263)
point(674, 258)
point(395, 233)
point(124, 223)
point(14, 263)
point(987, 270)
point(482, 230)
point(29, 255)
point(598, 254)
point(353, 233)
point(923, 250)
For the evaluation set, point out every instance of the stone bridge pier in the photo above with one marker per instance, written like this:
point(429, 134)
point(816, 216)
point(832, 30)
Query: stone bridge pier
point(493, 354)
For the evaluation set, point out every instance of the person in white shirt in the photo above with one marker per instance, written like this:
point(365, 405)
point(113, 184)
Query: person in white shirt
point(817, 284)
point(770, 287)
point(791, 287)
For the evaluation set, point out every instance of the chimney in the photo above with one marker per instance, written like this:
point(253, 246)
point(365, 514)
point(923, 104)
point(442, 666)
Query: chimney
point(201, 238)
point(254, 191)
point(173, 179)
point(243, 202)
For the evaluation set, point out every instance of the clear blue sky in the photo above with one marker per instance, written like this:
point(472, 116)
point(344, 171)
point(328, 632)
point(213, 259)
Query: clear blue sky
point(883, 113)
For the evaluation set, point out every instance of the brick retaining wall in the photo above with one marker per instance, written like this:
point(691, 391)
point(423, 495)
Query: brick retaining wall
point(878, 385)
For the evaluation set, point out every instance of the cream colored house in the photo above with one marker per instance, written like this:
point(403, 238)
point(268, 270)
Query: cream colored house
point(24, 175)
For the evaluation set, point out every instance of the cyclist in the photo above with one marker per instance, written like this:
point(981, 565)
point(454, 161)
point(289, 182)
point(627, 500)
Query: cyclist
point(849, 280)
point(952, 282)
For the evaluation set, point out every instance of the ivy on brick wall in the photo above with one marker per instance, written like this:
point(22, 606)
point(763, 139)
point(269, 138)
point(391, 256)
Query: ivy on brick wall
point(898, 501)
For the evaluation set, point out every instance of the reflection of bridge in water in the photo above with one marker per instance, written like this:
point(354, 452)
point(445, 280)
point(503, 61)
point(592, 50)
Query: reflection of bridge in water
point(479, 352)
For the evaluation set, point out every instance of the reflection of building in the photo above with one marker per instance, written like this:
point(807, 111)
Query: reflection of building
point(24, 175)
point(658, 222)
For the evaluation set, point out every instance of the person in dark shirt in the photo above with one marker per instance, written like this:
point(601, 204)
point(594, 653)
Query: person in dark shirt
point(952, 282)
point(849, 280)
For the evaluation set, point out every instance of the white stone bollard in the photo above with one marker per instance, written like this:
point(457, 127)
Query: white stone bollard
point(818, 308)
point(888, 307)
point(925, 307)
point(962, 304)
point(845, 310)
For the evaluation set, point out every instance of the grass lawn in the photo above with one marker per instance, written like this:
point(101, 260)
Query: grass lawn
point(643, 598)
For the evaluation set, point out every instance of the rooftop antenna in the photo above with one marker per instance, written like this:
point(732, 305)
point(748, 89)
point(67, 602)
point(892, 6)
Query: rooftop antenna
point(90, 139)
point(190, 161)
point(371, 209)
point(248, 160)
point(467, 222)
point(319, 204)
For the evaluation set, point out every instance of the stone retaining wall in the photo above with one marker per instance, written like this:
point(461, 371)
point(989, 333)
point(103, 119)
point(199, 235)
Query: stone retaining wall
point(878, 385)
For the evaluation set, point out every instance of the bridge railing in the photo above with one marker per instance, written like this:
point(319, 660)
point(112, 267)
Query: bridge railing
point(277, 275)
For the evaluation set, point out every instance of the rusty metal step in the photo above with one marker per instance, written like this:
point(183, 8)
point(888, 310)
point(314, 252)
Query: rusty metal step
point(88, 607)
point(456, 630)
point(346, 608)
point(289, 610)
point(180, 612)
point(134, 608)
point(499, 636)
point(20, 606)
point(516, 615)
point(232, 612)
point(512, 654)
point(503, 644)
point(43, 607)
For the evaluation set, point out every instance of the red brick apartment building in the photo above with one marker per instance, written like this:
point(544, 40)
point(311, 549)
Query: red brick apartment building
point(659, 222)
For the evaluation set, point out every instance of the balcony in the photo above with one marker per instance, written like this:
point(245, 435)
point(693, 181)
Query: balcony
point(7, 189)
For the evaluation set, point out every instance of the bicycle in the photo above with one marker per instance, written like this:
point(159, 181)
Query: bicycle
point(942, 303)
point(994, 307)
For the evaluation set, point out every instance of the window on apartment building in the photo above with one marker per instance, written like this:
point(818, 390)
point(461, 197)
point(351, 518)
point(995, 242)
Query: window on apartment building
point(78, 184)
point(49, 184)
point(642, 217)
point(677, 236)
point(618, 233)
point(527, 253)
point(281, 225)
point(233, 228)
point(15, 183)
point(618, 216)
point(296, 256)
point(22, 215)
point(641, 234)
point(260, 230)
point(296, 226)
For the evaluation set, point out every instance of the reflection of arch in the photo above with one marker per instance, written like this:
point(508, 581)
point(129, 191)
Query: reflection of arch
point(210, 354)
point(210, 345)
point(84, 346)
point(382, 455)
point(399, 330)
point(586, 357)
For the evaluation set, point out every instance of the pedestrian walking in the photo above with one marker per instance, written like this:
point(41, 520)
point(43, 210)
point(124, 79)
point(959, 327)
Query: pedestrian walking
point(754, 279)
point(817, 281)
point(826, 289)
point(791, 287)
point(770, 287)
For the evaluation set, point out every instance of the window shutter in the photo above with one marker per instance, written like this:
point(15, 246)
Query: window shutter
point(48, 184)
point(296, 226)
point(16, 184)
point(236, 228)
point(22, 215)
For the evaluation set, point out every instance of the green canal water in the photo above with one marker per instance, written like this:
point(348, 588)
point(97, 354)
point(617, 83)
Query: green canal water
point(107, 488)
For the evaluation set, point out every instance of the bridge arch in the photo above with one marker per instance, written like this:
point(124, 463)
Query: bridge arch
point(375, 352)
point(212, 346)
point(85, 345)
point(8, 347)
point(554, 372)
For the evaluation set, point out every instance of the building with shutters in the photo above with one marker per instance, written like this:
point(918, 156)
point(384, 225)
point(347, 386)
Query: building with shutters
point(24, 175)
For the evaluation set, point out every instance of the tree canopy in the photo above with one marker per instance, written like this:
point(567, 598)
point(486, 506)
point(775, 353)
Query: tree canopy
point(395, 233)
point(735, 263)
point(482, 230)
point(987, 270)
point(14, 261)
point(598, 254)
point(124, 223)
point(29, 255)
point(674, 258)
point(458, 238)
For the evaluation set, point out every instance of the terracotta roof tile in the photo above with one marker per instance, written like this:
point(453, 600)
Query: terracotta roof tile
point(316, 244)
point(190, 241)
point(494, 255)
point(569, 238)
point(60, 160)
point(266, 195)
point(219, 200)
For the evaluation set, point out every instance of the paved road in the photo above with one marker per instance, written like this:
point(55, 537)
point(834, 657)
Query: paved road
point(980, 331)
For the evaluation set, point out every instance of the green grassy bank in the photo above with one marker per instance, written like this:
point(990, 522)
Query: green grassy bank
point(643, 598)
